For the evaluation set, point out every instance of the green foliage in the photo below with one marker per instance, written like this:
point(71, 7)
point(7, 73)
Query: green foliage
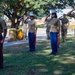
point(22, 6)
point(14, 9)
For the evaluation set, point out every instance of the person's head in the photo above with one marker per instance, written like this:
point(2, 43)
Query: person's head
point(64, 15)
point(32, 16)
point(48, 19)
point(54, 15)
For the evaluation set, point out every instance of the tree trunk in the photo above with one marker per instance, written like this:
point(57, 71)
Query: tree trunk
point(13, 34)
point(15, 24)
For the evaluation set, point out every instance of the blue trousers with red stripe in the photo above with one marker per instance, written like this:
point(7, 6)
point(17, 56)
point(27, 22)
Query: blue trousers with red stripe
point(1, 53)
point(54, 41)
point(32, 41)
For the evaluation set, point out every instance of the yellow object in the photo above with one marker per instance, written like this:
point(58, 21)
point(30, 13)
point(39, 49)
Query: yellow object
point(73, 26)
point(20, 34)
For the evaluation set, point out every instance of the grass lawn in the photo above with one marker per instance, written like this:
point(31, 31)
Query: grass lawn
point(18, 61)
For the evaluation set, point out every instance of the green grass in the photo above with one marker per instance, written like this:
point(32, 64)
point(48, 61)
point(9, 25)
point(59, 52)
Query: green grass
point(18, 61)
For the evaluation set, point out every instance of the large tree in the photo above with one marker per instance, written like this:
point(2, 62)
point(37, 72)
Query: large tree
point(14, 9)
point(59, 4)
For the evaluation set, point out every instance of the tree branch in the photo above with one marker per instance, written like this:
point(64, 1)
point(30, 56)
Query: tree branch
point(8, 15)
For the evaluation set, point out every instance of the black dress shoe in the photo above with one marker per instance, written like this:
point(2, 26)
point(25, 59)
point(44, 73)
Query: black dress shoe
point(53, 53)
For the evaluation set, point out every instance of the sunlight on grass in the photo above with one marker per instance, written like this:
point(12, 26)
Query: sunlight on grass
point(64, 59)
point(43, 70)
point(67, 61)
point(73, 74)
point(57, 72)
point(41, 65)
point(7, 55)
point(66, 55)
point(44, 52)
point(70, 60)
point(47, 46)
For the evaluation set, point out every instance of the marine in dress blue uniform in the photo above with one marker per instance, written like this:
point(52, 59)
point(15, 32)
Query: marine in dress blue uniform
point(54, 31)
point(32, 32)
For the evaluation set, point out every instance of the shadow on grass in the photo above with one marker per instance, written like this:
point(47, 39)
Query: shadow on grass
point(18, 61)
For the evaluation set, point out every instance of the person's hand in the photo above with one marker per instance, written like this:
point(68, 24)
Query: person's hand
point(73, 9)
point(35, 32)
point(58, 34)
point(67, 27)
point(48, 15)
point(2, 41)
point(25, 17)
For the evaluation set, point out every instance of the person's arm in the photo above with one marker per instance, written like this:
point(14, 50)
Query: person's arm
point(4, 30)
point(58, 28)
point(66, 22)
point(25, 19)
point(36, 26)
point(47, 17)
point(4, 35)
point(36, 30)
point(67, 25)
point(69, 13)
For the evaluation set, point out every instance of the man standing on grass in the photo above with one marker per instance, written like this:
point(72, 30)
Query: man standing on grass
point(47, 20)
point(64, 27)
point(3, 29)
point(32, 31)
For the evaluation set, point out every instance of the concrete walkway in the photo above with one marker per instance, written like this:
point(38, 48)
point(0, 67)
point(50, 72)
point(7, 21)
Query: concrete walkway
point(41, 35)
